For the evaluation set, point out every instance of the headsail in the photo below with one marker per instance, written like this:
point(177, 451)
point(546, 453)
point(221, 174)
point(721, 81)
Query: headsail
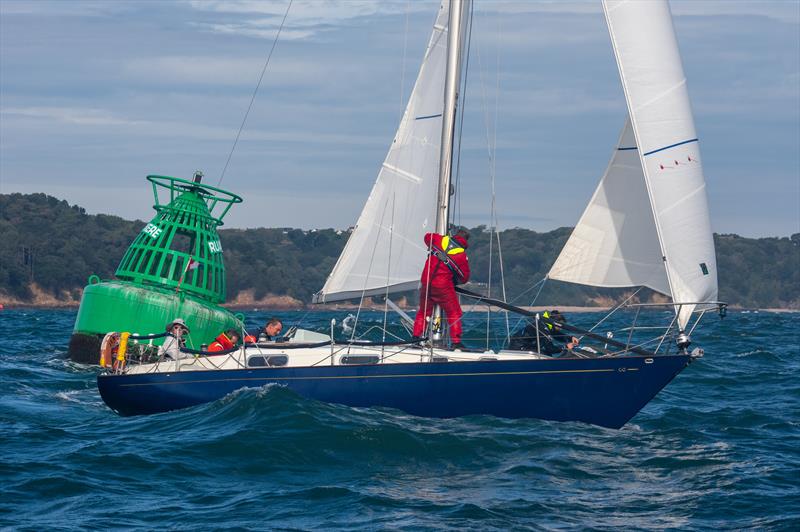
point(615, 243)
point(668, 150)
point(385, 251)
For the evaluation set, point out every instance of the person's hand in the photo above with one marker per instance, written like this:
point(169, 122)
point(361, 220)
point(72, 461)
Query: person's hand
point(573, 343)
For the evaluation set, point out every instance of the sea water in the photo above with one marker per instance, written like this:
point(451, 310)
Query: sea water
point(718, 448)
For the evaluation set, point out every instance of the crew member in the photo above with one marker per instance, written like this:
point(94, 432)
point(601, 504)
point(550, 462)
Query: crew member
point(171, 348)
point(552, 340)
point(272, 330)
point(446, 267)
point(225, 341)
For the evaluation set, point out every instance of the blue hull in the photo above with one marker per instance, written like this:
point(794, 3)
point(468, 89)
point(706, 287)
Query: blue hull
point(606, 392)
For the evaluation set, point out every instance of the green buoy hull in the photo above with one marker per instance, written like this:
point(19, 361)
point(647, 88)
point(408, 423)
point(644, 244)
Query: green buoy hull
point(125, 307)
point(173, 269)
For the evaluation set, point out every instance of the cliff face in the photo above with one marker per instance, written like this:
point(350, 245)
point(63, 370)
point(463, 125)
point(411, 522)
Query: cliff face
point(246, 298)
point(41, 298)
point(50, 248)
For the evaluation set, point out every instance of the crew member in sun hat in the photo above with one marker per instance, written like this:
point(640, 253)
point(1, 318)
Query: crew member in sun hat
point(171, 348)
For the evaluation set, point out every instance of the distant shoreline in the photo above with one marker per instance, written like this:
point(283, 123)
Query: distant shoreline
point(377, 307)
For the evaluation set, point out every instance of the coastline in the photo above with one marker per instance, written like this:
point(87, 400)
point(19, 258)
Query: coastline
point(256, 307)
point(246, 301)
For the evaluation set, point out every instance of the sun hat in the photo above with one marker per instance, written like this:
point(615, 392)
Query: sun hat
point(177, 321)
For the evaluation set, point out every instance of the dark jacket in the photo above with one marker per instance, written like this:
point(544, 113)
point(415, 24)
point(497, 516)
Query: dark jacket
point(551, 340)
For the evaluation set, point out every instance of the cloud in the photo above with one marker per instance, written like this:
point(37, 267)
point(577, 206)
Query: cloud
point(91, 117)
point(111, 91)
point(260, 19)
point(71, 115)
point(254, 29)
point(196, 70)
point(59, 8)
point(314, 12)
point(782, 10)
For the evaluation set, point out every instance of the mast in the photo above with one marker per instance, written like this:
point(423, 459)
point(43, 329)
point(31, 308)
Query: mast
point(455, 45)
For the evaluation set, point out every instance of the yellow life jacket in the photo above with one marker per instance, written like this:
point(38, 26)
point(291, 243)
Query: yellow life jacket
point(546, 316)
point(451, 246)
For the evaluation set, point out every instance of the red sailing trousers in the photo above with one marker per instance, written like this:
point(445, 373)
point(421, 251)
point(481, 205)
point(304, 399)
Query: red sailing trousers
point(442, 293)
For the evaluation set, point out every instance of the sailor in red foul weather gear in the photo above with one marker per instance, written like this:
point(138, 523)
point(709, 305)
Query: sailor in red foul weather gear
point(223, 342)
point(446, 267)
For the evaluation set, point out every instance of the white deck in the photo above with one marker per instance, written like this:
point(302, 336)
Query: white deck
point(335, 355)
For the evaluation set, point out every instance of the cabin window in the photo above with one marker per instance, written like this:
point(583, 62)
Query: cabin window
point(360, 359)
point(267, 361)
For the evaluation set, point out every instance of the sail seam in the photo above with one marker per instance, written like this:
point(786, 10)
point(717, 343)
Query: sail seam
point(682, 200)
point(656, 98)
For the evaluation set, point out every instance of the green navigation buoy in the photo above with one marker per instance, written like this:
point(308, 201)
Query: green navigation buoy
point(173, 269)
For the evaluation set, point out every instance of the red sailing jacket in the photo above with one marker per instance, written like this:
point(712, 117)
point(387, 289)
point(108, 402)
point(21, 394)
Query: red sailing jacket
point(436, 271)
point(223, 343)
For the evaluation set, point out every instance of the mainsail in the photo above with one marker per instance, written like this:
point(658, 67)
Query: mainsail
point(667, 148)
point(385, 251)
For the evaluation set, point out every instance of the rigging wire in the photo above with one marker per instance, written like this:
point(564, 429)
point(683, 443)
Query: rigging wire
point(403, 65)
point(391, 232)
point(255, 91)
point(616, 308)
point(367, 277)
point(494, 169)
point(540, 284)
point(502, 280)
point(494, 174)
point(388, 275)
point(462, 108)
point(491, 146)
point(491, 182)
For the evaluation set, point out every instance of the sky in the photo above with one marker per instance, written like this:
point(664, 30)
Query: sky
point(94, 96)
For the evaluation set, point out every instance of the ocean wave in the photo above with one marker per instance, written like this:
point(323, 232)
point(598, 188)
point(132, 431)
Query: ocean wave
point(717, 448)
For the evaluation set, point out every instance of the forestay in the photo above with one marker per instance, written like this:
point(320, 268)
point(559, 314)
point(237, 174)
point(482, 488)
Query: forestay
point(386, 250)
point(668, 151)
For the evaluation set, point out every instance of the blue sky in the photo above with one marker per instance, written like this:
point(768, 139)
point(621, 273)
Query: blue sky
point(96, 95)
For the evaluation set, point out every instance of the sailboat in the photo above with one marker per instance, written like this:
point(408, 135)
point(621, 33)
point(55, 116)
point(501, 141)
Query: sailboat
point(647, 224)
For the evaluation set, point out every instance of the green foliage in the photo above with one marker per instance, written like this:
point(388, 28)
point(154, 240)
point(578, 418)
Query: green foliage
point(280, 261)
point(67, 245)
point(763, 272)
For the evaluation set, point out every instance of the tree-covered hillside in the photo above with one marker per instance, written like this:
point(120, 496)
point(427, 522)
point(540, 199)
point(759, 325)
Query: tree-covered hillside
point(57, 246)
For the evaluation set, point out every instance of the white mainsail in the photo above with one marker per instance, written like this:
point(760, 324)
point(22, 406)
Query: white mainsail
point(669, 164)
point(385, 252)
